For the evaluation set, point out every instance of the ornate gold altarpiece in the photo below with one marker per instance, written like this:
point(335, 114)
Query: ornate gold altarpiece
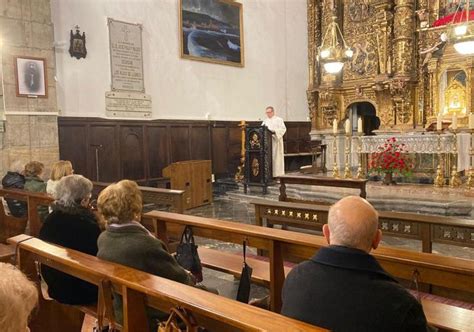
point(400, 66)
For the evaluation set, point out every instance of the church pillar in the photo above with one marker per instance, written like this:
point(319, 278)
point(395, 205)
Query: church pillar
point(29, 127)
point(314, 40)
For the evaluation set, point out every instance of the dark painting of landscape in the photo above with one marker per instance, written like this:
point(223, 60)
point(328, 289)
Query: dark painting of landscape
point(211, 31)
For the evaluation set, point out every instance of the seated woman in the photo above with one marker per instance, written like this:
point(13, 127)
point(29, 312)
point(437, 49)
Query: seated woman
point(127, 242)
point(18, 297)
point(72, 225)
point(33, 182)
point(14, 179)
point(59, 170)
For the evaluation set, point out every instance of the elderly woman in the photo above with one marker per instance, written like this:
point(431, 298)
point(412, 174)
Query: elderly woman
point(14, 179)
point(127, 242)
point(72, 225)
point(18, 297)
point(59, 170)
point(33, 172)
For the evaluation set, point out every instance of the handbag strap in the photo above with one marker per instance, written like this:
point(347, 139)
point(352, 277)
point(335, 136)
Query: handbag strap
point(414, 282)
point(187, 318)
point(245, 251)
point(17, 249)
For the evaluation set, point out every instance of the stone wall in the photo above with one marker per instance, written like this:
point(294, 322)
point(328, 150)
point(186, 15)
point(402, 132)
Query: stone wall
point(30, 130)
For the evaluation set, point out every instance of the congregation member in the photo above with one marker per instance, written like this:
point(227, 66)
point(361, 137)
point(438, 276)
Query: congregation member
point(33, 182)
point(59, 170)
point(72, 225)
point(276, 125)
point(125, 241)
point(18, 297)
point(14, 179)
point(343, 287)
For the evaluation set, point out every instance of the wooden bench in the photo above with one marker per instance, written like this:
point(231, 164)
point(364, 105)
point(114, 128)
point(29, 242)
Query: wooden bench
point(438, 271)
point(425, 228)
point(312, 180)
point(158, 196)
point(33, 200)
point(139, 290)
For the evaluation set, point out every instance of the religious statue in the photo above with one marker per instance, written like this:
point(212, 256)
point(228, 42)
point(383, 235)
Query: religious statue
point(436, 50)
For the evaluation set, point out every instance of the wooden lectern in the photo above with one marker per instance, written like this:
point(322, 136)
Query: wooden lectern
point(193, 176)
point(258, 157)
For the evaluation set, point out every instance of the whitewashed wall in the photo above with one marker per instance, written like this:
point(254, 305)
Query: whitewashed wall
point(275, 72)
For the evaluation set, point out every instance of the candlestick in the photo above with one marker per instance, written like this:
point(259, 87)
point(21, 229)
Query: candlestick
point(439, 122)
point(335, 169)
point(360, 170)
point(439, 179)
point(470, 178)
point(359, 125)
point(347, 168)
point(348, 127)
point(454, 125)
point(455, 180)
point(334, 126)
point(471, 120)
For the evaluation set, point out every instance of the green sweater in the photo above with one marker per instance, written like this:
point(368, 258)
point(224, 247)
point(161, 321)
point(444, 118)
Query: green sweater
point(36, 184)
point(132, 245)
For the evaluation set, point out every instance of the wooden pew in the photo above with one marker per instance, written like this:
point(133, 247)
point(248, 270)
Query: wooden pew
point(453, 273)
point(312, 180)
point(428, 229)
point(140, 289)
point(158, 196)
point(33, 200)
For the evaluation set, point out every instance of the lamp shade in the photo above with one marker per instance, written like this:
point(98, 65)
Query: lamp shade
point(464, 47)
point(333, 67)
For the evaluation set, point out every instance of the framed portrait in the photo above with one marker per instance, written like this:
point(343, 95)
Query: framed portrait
point(31, 79)
point(211, 31)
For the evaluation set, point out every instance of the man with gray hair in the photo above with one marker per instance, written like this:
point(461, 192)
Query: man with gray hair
point(343, 287)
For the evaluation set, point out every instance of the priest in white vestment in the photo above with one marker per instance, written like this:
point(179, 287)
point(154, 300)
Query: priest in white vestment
point(276, 125)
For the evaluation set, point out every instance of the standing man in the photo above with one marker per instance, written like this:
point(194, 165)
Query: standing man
point(276, 125)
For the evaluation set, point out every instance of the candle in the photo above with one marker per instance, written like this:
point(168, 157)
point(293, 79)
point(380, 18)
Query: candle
point(471, 120)
point(454, 125)
point(359, 125)
point(334, 126)
point(348, 126)
point(439, 122)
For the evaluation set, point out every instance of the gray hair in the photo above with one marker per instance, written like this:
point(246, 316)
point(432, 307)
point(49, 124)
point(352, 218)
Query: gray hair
point(18, 297)
point(354, 228)
point(72, 189)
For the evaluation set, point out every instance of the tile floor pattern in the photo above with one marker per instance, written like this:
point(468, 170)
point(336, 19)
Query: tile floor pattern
point(234, 209)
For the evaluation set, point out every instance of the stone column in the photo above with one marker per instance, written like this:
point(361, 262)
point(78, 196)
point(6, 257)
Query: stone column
point(30, 124)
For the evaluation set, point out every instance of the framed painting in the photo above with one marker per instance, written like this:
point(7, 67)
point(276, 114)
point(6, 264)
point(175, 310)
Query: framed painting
point(31, 79)
point(211, 31)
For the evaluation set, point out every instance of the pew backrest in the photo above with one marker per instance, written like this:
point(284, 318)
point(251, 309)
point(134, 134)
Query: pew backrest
point(140, 289)
point(428, 229)
point(437, 270)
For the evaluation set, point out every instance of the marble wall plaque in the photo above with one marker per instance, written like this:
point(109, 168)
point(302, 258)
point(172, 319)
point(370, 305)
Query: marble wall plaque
point(127, 104)
point(126, 57)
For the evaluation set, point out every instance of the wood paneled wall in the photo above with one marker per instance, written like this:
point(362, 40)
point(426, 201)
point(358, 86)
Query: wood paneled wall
point(139, 150)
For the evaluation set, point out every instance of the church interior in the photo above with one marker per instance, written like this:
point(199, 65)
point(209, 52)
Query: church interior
point(232, 165)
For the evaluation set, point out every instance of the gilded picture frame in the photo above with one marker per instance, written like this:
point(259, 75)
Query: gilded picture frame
point(212, 31)
point(30, 76)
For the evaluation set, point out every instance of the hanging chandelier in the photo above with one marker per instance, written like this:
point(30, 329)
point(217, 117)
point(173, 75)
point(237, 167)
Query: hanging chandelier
point(460, 32)
point(334, 50)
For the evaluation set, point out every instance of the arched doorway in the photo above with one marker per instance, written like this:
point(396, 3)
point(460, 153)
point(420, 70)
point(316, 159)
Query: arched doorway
point(366, 111)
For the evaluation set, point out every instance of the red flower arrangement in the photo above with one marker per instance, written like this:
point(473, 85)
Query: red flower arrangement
point(391, 157)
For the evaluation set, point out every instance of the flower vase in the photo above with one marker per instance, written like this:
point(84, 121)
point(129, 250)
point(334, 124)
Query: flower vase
point(388, 179)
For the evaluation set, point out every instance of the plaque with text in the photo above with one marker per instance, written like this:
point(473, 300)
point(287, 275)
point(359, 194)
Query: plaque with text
point(126, 56)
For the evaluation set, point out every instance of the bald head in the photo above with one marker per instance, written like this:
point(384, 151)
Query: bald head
point(353, 222)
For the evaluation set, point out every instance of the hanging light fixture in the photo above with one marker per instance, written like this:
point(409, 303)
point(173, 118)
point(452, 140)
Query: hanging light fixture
point(334, 50)
point(460, 34)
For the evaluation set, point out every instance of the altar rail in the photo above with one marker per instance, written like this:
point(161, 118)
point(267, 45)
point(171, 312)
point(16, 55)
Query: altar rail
point(428, 229)
point(455, 274)
point(139, 290)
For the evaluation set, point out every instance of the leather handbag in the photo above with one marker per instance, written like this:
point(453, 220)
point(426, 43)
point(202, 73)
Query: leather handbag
point(243, 293)
point(179, 320)
point(187, 254)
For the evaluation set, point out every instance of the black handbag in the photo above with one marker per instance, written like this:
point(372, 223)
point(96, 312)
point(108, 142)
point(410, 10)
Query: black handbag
point(187, 254)
point(243, 293)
